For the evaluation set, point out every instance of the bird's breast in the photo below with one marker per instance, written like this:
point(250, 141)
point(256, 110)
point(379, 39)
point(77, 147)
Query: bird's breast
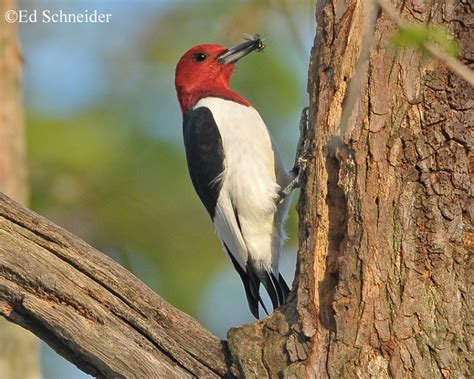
point(249, 155)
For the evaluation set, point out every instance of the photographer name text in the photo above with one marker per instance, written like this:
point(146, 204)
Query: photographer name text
point(47, 16)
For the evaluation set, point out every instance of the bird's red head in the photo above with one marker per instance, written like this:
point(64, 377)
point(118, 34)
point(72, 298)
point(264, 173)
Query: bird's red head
point(206, 70)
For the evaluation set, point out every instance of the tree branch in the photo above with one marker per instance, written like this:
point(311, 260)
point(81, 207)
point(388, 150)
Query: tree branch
point(91, 310)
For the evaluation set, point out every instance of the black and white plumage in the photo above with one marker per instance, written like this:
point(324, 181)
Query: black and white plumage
point(237, 172)
point(235, 167)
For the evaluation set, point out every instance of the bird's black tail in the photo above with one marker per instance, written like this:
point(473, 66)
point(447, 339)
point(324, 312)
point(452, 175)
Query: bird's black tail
point(251, 286)
point(277, 289)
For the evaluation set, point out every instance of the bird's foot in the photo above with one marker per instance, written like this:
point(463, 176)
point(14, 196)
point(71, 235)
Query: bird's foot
point(301, 159)
point(300, 167)
point(301, 148)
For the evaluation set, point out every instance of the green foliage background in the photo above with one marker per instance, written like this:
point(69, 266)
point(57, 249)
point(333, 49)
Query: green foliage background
point(114, 172)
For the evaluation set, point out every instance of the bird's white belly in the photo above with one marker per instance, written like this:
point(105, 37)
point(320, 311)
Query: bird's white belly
point(246, 208)
point(249, 181)
point(249, 178)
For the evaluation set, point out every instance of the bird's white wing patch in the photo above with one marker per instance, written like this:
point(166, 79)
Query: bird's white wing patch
point(227, 227)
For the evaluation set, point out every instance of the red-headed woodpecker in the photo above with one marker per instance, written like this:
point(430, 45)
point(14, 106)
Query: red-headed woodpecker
point(235, 167)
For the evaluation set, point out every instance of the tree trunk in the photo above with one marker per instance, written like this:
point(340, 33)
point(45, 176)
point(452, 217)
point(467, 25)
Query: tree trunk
point(385, 223)
point(18, 347)
point(385, 227)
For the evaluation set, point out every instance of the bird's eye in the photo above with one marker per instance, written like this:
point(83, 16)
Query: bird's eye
point(199, 57)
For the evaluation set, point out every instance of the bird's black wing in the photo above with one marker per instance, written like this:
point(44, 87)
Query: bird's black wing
point(204, 154)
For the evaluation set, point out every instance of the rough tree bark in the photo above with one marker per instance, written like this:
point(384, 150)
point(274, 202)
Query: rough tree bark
point(385, 226)
point(91, 310)
point(18, 347)
point(385, 219)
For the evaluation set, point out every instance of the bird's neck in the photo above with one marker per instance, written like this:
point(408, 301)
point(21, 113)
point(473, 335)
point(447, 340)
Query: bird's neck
point(188, 99)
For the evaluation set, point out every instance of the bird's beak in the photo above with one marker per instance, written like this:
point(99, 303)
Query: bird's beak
point(233, 54)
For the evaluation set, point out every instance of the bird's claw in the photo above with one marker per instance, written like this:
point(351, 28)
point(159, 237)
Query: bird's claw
point(282, 195)
point(302, 157)
point(303, 126)
point(302, 154)
point(301, 163)
point(297, 180)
